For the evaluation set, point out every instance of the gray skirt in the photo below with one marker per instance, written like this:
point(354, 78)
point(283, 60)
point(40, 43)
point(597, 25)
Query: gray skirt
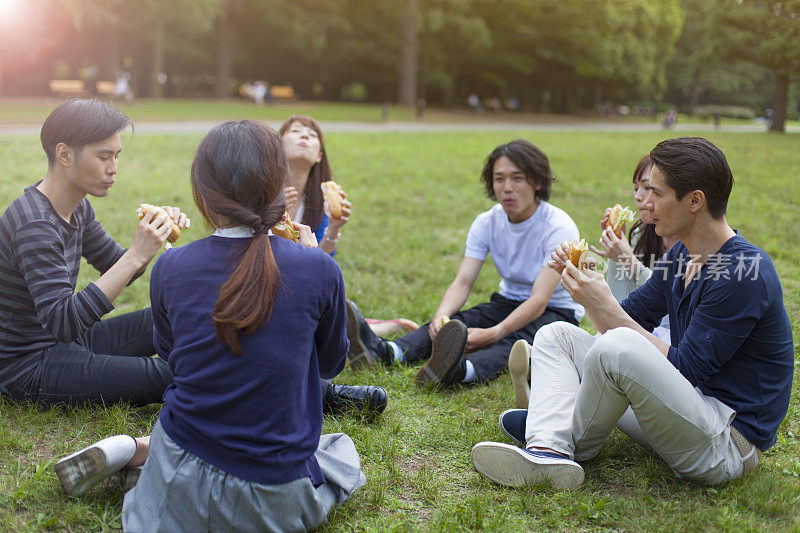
point(178, 491)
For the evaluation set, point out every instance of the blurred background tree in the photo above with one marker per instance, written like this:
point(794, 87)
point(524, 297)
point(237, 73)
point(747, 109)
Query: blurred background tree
point(566, 56)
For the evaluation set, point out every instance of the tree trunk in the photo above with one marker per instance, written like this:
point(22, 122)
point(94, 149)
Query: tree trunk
point(407, 94)
point(227, 39)
point(780, 103)
point(695, 91)
point(156, 88)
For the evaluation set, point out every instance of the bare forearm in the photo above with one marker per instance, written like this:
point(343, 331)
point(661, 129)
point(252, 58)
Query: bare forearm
point(117, 277)
point(527, 312)
point(454, 299)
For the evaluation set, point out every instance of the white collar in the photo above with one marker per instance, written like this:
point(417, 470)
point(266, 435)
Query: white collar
point(237, 232)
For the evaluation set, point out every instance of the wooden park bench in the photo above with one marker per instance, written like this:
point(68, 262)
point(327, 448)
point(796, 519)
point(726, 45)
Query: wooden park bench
point(66, 88)
point(69, 88)
point(105, 88)
point(283, 92)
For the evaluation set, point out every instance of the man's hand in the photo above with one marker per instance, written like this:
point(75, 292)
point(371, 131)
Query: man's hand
point(435, 325)
point(559, 258)
point(151, 234)
point(587, 287)
point(477, 338)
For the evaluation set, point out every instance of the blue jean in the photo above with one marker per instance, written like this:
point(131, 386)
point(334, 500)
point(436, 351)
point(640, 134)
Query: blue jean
point(109, 363)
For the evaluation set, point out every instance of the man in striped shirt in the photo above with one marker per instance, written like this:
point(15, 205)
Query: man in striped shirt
point(54, 348)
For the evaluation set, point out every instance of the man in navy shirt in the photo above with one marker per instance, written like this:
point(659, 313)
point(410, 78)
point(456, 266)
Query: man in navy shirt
point(710, 402)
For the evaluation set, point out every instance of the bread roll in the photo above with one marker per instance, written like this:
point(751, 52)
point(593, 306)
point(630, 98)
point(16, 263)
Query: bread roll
point(618, 217)
point(330, 190)
point(578, 250)
point(285, 229)
point(175, 232)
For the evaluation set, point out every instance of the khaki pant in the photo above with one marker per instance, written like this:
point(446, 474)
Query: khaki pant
point(583, 385)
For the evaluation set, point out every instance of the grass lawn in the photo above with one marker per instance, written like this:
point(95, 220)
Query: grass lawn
point(35, 110)
point(414, 198)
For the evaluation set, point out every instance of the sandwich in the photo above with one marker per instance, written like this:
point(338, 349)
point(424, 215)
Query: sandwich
point(330, 191)
point(285, 228)
point(618, 217)
point(175, 232)
point(578, 250)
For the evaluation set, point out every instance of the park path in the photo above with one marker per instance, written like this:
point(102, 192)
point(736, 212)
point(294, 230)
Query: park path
point(203, 126)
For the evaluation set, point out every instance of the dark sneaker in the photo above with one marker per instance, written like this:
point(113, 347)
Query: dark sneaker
point(511, 466)
point(84, 469)
point(366, 348)
point(369, 399)
point(445, 357)
point(512, 423)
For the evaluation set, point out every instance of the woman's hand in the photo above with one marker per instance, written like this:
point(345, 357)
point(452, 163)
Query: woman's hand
point(307, 237)
point(335, 224)
point(292, 200)
point(617, 249)
point(604, 220)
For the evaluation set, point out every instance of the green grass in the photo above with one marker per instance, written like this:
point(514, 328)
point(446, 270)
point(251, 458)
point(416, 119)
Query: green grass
point(414, 197)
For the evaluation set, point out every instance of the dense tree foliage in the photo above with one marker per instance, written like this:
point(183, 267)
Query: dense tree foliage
point(559, 55)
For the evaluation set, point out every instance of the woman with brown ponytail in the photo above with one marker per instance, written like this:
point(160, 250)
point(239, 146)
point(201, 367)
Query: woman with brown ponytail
point(248, 324)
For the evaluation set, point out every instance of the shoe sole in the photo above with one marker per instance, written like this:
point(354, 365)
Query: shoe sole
point(82, 471)
point(358, 355)
point(448, 346)
point(507, 465)
point(518, 367)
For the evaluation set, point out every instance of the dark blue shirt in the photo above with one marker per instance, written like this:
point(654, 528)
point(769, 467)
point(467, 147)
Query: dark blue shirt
point(257, 415)
point(731, 335)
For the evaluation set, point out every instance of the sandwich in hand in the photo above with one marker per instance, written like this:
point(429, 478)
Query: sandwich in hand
point(618, 217)
point(330, 191)
point(174, 233)
point(578, 250)
point(284, 228)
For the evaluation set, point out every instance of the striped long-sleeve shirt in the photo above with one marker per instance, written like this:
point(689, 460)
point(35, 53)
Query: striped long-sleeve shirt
point(40, 255)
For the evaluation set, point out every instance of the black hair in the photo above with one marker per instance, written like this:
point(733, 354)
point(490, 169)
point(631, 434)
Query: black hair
point(78, 122)
point(650, 246)
point(529, 159)
point(692, 163)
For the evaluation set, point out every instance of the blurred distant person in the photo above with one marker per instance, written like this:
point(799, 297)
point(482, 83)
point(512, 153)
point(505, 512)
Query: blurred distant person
point(122, 88)
point(56, 348)
point(669, 119)
point(259, 92)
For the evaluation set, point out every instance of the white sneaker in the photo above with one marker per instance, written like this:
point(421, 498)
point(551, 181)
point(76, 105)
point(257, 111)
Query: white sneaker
point(519, 366)
point(86, 468)
point(516, 467)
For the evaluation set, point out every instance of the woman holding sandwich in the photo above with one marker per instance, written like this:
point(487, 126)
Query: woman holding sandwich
point(248, 323)
point(308, 169)
point(243, 415)
point(630, 260)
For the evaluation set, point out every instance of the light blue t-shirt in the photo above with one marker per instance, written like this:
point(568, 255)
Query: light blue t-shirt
point(521, 250)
